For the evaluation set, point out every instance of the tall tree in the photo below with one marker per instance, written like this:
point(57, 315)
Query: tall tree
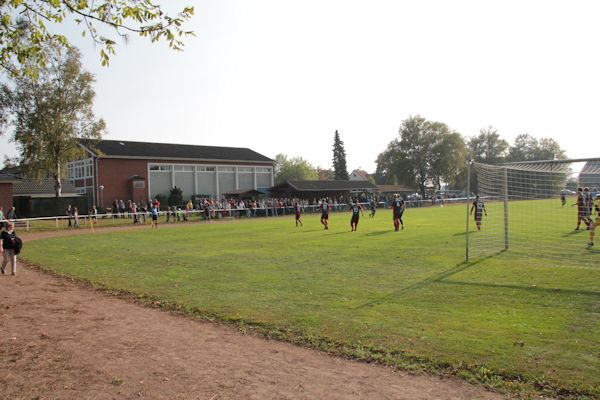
point(488, 147)
point(528, 148)
point(339, 159)
point(295, 168)
point(25, 27)
point(51, 114)
point(426, 154)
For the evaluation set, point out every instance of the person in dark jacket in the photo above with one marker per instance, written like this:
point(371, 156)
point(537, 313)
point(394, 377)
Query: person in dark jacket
point(7, 247)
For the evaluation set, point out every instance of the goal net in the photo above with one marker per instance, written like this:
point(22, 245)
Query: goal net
point(532, 210)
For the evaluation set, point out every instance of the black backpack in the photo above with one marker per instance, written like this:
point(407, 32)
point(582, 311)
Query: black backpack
point(17, 244)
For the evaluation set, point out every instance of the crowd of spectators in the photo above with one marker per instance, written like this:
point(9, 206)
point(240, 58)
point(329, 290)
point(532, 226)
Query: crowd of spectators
point(210, 209)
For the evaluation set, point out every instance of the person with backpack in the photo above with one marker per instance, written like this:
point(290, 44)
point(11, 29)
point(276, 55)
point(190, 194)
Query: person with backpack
point(10, 246)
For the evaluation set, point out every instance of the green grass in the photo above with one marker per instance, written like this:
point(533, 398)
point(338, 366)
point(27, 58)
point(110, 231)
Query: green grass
point(525, 320)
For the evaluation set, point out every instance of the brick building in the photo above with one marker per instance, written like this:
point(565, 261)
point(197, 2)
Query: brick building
point(6, 190)
point(139, 171)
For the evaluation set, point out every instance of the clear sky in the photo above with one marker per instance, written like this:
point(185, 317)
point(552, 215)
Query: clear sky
point(281, 76)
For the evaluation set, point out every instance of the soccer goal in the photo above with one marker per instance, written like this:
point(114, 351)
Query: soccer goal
point(533, 209)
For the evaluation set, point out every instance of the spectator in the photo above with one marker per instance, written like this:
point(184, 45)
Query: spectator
point(94, 214)
point(7, 247)
point(75, 218)
point(11, 215)
point(69, 215)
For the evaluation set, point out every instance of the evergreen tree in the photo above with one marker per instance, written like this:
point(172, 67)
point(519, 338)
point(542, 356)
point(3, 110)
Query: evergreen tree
point(339, 159)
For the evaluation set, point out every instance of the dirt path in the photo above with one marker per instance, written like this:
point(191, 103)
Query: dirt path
point(61, 340)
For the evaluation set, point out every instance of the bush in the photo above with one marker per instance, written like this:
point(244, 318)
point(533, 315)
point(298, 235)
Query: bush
point(176, 197)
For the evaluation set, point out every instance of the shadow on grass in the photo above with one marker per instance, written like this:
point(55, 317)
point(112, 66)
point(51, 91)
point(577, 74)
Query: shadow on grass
point(521, 287)
point(377, 233)
point(575, 232)
point(433, 279)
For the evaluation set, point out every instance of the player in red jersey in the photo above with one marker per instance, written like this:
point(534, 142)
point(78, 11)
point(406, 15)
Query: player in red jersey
point(397, 211)
point(356, 209)
point(298, 212)
point(582, 210)
point(325, 213)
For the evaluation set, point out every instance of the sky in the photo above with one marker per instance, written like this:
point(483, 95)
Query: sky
point(282, 76)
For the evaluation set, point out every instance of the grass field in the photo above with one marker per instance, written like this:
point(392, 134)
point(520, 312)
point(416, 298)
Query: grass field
point(519, 320)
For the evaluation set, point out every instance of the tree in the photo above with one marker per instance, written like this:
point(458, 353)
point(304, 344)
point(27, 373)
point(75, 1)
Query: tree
point(51, 114)
point(325, 174)
point(339, 159)
point(25, 27)
point(528, 148)
point(449, 158)
point(10, 162)
point(487, 147)
point(175, 197)
point(426, 154)
point(295, 168)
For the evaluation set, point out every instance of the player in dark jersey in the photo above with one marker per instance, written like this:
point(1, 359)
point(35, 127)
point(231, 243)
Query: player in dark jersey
point(373, 207)
point(479, 208)
point(397, 211)
point(325, 213)
point(356, 209)
point(582, 213)
point(298, 212)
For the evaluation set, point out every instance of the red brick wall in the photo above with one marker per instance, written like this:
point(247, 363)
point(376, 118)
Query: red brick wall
point(114, 175)
point(6, 199)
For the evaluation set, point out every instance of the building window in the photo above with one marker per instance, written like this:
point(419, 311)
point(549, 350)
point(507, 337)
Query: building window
point(262, 170)
point(205, 169)
point(245, 170)
point(226, 169)
point(183, 168)
point(80, 169)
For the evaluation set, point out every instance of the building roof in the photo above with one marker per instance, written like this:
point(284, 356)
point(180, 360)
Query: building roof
point(359, 174)
point(591, 167)
point(8, 177)
point(124, 149)
point(41, 188)
point(327, 186)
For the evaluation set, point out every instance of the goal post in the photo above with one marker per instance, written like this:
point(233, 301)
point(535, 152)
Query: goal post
point(532, 208)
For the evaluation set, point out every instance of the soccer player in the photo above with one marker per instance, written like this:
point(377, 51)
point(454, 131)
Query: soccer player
point(581, 209)
point(373, 207)
point(298, 212)
point(596, 222)
point(479, 208)
point(563, 198)
point(397, 211)
point(356, 210)
point(325, 213)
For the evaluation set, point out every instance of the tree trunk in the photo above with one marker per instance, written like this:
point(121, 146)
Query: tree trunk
point(422, 188)
point(57, 184)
